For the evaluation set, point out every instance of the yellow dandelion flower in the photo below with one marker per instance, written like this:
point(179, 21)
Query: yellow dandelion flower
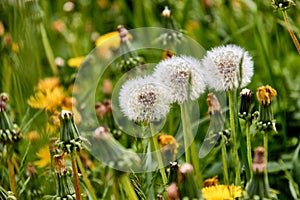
point(112, 43)
point(48, 100)
point(48, 84)
point(15, 47)
point(76, 62)
point(43, 157)
point(221, 192)
point(32, 136)
point(265, 94)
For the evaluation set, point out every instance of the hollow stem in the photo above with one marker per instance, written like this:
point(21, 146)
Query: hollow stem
point(75, 174)
point(190, 151)
point(290, 29)
point(224, 160)
point(185, 134)
point(231, 97)
point(86, 179)
point(266, 158)
point(158, 155)
point(248, 141)
point(128, 187)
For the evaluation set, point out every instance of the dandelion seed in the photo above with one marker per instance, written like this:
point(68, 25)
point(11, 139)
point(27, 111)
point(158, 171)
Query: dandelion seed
point(227, 67)
point(143, 99)
point(183, 76)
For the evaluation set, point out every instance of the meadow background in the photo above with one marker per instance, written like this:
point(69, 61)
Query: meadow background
point(72, 28)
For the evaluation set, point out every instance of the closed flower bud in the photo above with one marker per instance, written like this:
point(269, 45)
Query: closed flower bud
point(247, 104)
point(187, 185)
point(173, 192)
point(258, 187)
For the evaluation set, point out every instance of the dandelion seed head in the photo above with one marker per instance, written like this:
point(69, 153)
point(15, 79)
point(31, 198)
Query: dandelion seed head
point(182, 75)
point(143, 99)
point(227, 66)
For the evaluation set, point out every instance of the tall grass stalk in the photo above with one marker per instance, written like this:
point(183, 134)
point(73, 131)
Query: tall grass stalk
point(291, 32)
point(248, 141)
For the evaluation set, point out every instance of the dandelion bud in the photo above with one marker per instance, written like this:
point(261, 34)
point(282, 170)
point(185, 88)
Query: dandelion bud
point(247, 103)
point(166, 12)
point(9, 132)
point(173, 192)
point(266, 121)
point(107, 87)
point(258, 187)
point(187, 184)
point(283, 5)
point(3, 101)
point(64, 185)
point(69, 136)
point(129, 58)
point(173, 175)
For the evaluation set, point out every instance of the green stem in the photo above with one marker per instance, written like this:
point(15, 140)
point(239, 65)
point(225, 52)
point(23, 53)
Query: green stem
point(128, 187)
point(232, 104)
point(290, 29)
point(48, 50)
point(76, 178)
point(266, 158)
point(12, 178)
point(224, 160)
point(158, 155)
point(86, 179)
point(249, 150)
point(115, 186)
point(187, 135)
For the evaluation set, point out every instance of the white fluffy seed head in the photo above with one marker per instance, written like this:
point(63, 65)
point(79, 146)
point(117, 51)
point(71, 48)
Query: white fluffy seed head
point(182, 74)
point(227, 66)
point(144, 99)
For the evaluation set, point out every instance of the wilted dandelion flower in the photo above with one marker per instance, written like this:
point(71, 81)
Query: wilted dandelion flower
point(143, 99)
point(182, 75)
point(227, 67)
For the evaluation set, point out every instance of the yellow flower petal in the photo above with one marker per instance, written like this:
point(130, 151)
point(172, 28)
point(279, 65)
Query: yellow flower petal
point(48, 100)
point(44, 157)
point(221, 192)
point(76, 62)
point(48, 84)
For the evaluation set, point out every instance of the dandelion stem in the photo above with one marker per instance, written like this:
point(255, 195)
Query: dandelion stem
point(128, 187)
point(76, 178)
point(158, 155)
point(48, 50)
point(290, 29)
point(231, 97)
point(266, 158)
point(185, 135)
point(248, 141)
point(12, 178)
point(224, 160)
point(190, 151)
point(86, 179)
